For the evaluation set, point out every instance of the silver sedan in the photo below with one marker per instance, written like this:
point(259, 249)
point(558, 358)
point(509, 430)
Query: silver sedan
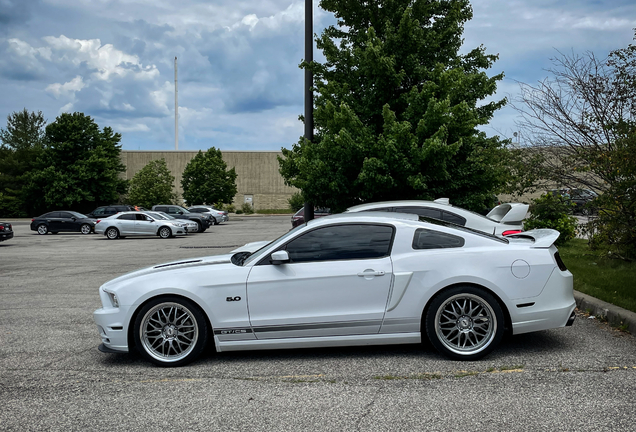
point(190, 225)
point(135, 223)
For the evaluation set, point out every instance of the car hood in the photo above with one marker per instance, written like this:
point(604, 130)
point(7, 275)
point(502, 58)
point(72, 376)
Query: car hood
point(252, 247)
point(191, 262)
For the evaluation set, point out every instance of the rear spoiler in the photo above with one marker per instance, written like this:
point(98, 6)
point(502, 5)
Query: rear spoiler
point(509, 213)
point(542, 238)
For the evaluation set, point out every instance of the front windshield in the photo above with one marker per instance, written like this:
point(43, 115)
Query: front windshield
point(157, 215)
point(261, 252)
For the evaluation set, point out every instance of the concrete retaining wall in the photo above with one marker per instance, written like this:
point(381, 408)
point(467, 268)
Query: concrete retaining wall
point(258, 179)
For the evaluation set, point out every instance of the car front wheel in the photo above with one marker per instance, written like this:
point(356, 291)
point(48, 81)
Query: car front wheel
point(85, 229)
point(42, 229)
point(170, 331)
point(164, 232)
point(112, 233)
point(464, 323)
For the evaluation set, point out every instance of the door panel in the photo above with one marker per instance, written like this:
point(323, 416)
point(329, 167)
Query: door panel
point(325, 298)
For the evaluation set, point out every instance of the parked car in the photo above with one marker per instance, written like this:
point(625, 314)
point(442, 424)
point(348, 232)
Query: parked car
point(505, 219)
point(218, 216)
point(179, 212)
point(299, 217)
point(189, 225)
point(62, 221)
point(105, 211)
point(369, 278)
point(6, 231)
point(580, 198)
point(137, 224)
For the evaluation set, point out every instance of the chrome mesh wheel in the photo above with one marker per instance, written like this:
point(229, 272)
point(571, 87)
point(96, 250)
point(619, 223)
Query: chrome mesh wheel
point(169, 332)
point(465, 324)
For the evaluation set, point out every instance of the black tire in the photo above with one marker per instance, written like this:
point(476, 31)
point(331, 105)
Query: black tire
point(170, 331)
point(200, 228)
point(216, 222)
point(43, 229)
point(165, 232)
point(112, 233)
point(464, 323)
point(85, 229)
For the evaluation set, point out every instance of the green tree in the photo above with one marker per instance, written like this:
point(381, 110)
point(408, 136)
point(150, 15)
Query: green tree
point(152, 185)
point(206, 179)
point(20, 145)
point(79, 167)
point(580, 127)
point(397, 109)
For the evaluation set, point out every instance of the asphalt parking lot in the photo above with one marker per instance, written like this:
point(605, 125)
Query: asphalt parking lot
point(52, 377)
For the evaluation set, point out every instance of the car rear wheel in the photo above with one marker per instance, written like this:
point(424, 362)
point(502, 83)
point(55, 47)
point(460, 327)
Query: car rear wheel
point(165, 232)
point(216, 222)
point(85, 229)
point(200, 228)
point(112, 233)
point(170, 331)
point(464, 323)
point(42, 229)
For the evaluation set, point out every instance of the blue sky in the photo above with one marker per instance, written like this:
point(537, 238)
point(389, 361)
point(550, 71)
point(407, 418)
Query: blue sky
point(240, 87)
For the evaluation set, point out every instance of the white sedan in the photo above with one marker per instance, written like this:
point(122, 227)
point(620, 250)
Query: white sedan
point(189, 225)
point(136, 223)
point(347, 279)
point(505, 219)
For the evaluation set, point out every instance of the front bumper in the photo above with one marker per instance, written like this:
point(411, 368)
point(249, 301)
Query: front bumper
point(111, 324)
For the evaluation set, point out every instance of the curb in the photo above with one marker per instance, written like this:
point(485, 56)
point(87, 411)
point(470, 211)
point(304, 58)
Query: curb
point(615, 315)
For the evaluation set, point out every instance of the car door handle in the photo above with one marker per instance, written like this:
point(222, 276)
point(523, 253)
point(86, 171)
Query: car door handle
point(368, 273)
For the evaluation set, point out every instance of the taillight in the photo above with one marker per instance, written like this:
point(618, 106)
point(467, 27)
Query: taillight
point(509, 232)
point(1, 228)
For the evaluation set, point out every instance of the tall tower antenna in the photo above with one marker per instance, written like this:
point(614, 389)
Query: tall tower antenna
point(176, 108)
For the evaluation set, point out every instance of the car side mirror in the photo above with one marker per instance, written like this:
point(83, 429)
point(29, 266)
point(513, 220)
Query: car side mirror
point(280, 257)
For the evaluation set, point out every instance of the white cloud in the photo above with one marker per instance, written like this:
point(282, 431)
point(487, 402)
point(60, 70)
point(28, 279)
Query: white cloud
point(67, 89)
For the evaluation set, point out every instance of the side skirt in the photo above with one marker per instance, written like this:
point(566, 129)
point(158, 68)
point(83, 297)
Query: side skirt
point(319, 342)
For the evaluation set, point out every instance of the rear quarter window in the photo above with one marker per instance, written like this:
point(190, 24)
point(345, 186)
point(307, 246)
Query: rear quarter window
point(430, 239)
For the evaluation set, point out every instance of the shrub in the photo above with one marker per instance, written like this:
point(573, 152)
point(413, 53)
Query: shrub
point(296, 202)
point(239, 211)
point(229, 208)
point(247, 208)
point(551, 211)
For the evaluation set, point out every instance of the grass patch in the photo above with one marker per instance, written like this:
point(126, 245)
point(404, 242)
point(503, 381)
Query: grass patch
point(610, 280)
point(275, 211)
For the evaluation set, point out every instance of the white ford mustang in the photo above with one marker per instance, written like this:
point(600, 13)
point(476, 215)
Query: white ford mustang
point(347, 279)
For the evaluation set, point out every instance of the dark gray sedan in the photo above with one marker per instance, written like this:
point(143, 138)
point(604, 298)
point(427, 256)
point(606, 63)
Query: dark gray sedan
point(62, 221)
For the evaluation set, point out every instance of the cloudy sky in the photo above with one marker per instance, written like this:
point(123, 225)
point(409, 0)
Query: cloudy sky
point(240, 87)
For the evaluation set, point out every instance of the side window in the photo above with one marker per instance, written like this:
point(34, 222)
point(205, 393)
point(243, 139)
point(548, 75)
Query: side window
point(53, 215)
point(161, 209)
point(381, 209)
point(172, 210)
point(342, 242)
point(99, 211)
point(65, 215)
point(421, 211)
point(110, 210)
point(453, 218)
point(127, 216)
point(429, 239)
point(140, 217)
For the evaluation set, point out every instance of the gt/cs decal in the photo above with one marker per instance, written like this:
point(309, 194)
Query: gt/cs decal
point(237, 298)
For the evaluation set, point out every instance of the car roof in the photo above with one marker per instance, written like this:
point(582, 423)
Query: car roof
point(365, 217)
point(440, 203)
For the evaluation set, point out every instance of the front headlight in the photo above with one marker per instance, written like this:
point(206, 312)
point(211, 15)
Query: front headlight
point(113, 298)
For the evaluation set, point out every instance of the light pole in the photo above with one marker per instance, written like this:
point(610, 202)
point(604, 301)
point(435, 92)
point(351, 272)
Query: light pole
point(309, 82)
